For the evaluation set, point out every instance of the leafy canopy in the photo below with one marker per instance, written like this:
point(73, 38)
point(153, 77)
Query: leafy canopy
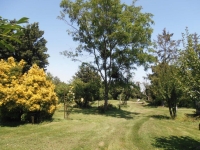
point(114, 34)
point(190, 66)
point(5, 29)
point(165, 85)
point(87, 83)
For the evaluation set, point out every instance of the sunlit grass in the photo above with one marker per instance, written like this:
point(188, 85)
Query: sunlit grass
point(135, 127)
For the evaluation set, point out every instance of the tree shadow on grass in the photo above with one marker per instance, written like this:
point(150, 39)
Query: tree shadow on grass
point(11, 123)
point(118, 113)
point(177, 143)
point(193, 116)
point(19, 123)
point(121, 114)
point(160, 117)
point(149, 105)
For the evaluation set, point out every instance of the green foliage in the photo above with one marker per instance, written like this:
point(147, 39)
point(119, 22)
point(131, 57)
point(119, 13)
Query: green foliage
point(165, 86)
point(32, 47)
point(165, 80)
point(123, 90)
point(60, 87)
point(60, 90)
point(69, 101)
point(6, 28)
point(87, 85)
point(102, 95)
point(190, 66)
point(115, 34)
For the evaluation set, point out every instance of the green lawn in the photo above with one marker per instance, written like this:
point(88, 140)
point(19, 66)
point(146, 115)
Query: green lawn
point(136, 127)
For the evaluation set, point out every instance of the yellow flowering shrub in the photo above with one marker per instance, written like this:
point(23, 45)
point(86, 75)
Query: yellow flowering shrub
point(25, 94)
point(39, 92)
point(10, 75)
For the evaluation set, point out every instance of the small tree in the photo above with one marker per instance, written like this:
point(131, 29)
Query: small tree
point(165, 84)
point(39, 93)
point(87, 83)
point(79, 90)
point(69, 101)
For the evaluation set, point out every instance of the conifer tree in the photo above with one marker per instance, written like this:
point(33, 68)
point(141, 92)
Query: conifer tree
point(32, 48)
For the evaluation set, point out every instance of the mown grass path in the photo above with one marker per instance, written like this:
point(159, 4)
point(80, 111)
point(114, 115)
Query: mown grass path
point(135, 127)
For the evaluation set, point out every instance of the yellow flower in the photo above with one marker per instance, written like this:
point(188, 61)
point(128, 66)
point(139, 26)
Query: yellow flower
point(28, 90)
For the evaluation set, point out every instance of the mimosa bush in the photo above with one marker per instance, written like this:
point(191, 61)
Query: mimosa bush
point(39, 94)
point(25, 95)
point(10, 78)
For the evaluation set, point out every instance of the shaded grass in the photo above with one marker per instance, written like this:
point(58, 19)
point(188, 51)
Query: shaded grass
point(132, 128)
point(160, 117)
point(117, 113)
point(11, 124)
point(177, 143)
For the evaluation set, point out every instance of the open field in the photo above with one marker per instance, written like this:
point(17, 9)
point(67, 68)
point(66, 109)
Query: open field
point(136, 127)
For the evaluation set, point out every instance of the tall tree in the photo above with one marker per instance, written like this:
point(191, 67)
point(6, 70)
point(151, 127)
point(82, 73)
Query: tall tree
point(164, 78)
point(113, 33)
point(190, 67)
point(32, 48)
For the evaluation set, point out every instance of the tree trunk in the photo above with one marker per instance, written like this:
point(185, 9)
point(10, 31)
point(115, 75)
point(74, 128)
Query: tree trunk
point(197, 108)
point(172, 110)
point(106, 96)
point(106, 89)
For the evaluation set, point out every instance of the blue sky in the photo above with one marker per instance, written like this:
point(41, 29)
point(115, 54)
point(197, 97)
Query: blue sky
point(174, 15)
